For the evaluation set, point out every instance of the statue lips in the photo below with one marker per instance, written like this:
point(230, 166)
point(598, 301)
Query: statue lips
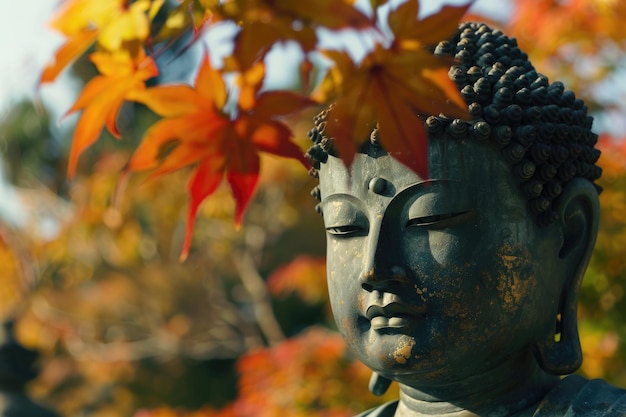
point(393, 315)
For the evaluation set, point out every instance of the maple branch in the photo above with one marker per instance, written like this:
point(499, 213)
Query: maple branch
point(255, 285)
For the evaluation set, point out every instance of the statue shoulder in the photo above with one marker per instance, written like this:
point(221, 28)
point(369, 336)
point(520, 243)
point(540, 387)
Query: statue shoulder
point(576, 396)
point(385, 410)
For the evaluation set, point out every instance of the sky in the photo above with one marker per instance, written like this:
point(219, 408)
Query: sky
point(27, 45)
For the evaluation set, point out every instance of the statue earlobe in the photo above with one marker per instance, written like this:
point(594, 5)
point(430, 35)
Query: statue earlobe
point(578, 208)
point(378, 384)
point(559, 353)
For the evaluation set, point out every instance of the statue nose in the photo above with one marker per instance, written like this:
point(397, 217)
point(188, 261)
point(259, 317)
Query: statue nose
point(385, 277)
point(383, 266)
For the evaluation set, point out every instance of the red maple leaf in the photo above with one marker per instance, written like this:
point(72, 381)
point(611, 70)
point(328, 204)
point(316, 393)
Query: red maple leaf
point(197, 131)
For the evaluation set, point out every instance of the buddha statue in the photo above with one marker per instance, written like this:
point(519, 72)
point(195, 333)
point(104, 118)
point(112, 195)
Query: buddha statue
point(463, 286)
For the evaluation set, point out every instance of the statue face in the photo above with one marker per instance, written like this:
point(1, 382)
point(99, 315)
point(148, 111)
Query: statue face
point(434, 280)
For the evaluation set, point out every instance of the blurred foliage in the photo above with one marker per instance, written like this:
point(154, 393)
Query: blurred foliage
point(243, 326)
point(581, 42)
point(602, 304)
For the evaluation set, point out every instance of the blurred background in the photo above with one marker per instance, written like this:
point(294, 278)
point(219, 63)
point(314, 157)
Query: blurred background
point(93, 283)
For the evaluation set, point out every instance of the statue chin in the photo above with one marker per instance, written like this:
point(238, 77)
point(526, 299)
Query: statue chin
point(463, 286)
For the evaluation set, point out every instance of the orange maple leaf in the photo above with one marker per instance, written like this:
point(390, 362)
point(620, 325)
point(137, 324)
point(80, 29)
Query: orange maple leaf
point(197, 132)
point(264, 23)
point(112, 23)
point(67, 53)
point(103, 96)
point(394, 86)
point(410, 33)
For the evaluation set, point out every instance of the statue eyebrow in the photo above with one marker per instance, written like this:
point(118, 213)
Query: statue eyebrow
point(352, 199)
point(418, 184)
point(406, 192)
point(426, 184)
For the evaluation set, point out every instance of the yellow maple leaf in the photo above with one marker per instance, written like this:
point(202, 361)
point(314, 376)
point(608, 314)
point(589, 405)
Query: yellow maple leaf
point(110, 23)
point(101, 99)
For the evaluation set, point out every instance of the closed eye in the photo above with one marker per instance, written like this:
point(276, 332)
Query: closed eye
point(345, 231)
point(435, 219)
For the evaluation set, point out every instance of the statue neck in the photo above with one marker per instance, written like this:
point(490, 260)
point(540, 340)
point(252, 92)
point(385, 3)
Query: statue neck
point(511, 388)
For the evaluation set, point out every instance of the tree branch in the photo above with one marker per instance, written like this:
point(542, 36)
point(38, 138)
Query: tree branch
point(255, 286)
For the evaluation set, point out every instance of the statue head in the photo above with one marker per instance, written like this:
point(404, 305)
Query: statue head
point(436, 279)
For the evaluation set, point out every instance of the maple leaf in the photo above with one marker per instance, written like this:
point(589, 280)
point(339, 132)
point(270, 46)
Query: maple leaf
point(197, 132)
point(102, 97)
point(110, 23)
point(190, 15)
point(264, 23)
point(375, 4)
point(256, 39)
point(132, 24)
point(331, 14)
point(411, 34)
point(393, 86)
point(67, 53)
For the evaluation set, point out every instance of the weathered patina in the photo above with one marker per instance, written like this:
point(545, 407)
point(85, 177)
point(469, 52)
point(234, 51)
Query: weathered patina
point(463, 286)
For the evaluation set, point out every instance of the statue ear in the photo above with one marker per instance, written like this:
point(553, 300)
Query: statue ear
point(579, 212)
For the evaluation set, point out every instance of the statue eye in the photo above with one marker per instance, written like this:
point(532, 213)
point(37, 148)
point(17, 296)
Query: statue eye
point(345, 231)
point(437, 219)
